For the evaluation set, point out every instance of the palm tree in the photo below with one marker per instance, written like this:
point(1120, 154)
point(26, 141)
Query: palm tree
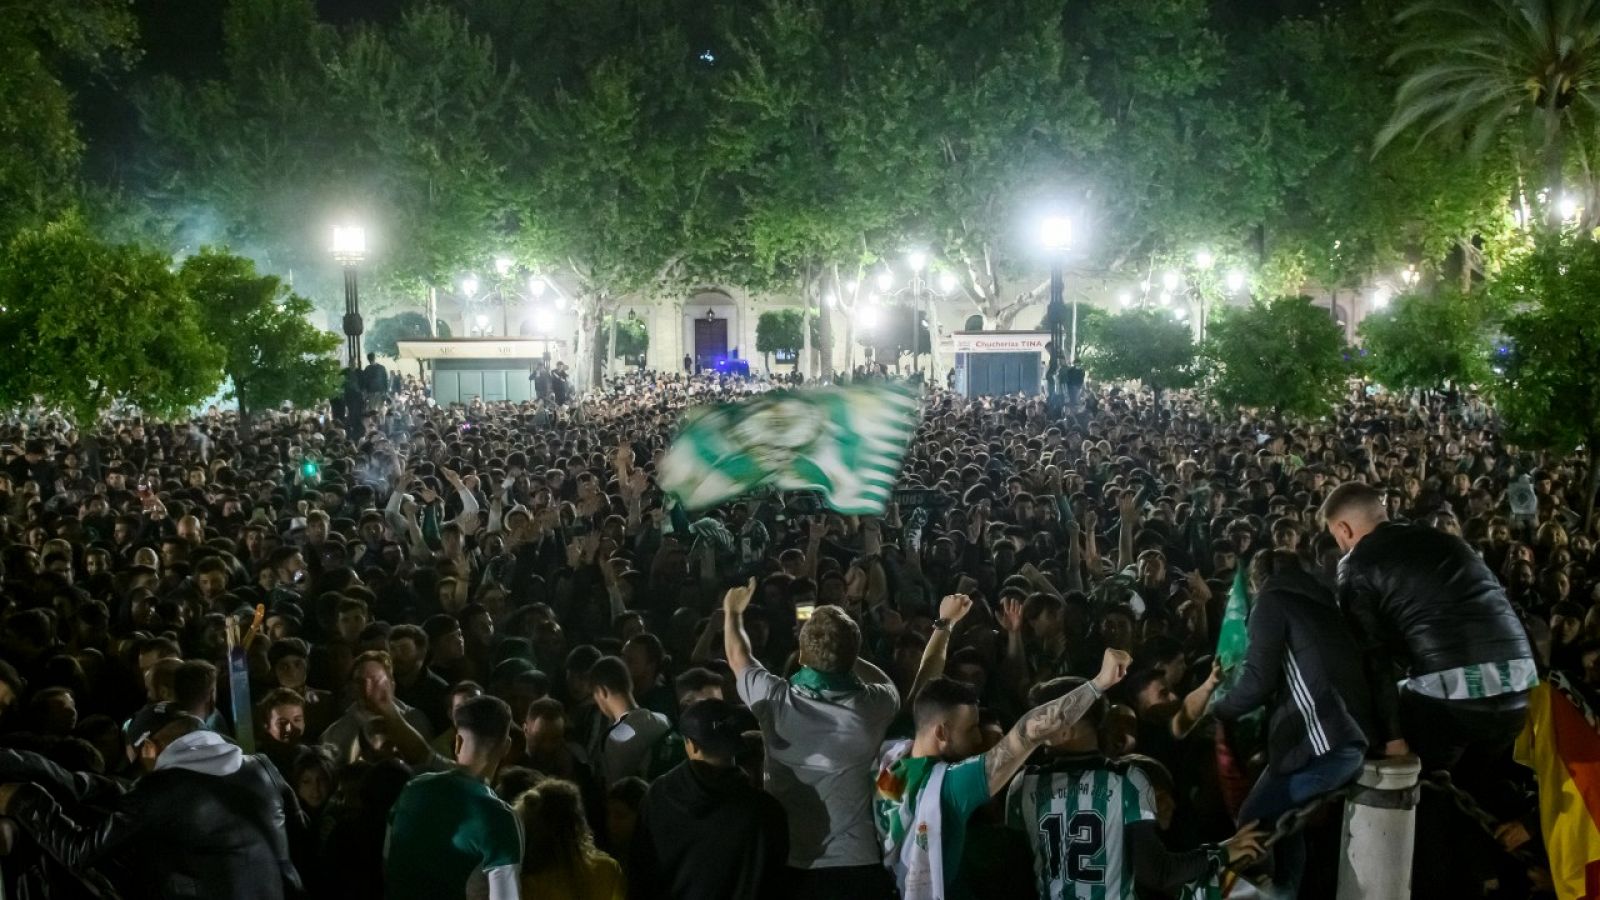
point(1526, 72)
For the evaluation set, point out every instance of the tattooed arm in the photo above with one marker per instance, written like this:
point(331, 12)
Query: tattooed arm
point(1042, 723)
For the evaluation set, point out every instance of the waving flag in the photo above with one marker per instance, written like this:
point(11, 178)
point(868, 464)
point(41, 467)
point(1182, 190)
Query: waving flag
point(847, 443)
point(1561, 743)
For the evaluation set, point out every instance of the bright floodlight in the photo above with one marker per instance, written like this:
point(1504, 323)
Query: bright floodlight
point(1380, 296)
point(947, 282)
point(561, 300)
point(1125, 298)
point(502, 265)
point(1180, 314)
point(1055, 232)
point(469, 285)
point(1166, 298)
point(850, 288)
point(869, 317)
point(1410, 276)
point(832, 300)
point(1203, 260)
point(1170, 280)
point(349, 243)
point(1235, 280)
point(482, 320)
point(544, 320)
point(885, 280)
point(916, 259)
point(1568, 206)
point(536, 285)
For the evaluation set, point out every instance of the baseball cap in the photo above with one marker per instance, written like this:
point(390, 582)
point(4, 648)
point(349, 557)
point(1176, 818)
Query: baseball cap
point(151, 719)
point(717, 727)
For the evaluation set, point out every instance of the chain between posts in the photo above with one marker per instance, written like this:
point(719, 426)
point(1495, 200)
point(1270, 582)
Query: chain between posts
point(1295, 820)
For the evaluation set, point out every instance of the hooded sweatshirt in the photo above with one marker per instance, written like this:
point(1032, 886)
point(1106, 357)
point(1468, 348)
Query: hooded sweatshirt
point(706, 834)
point(205, 752)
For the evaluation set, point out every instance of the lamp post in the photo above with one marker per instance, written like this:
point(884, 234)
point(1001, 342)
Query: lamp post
point(916, 260)
point(349, 247)
point(1055, 233)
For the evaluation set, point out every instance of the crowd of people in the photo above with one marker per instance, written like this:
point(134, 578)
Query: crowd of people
point(421, 652)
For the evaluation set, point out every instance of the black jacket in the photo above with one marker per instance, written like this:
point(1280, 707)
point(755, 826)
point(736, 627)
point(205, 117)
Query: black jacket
point(1422, 601)
point(1304, 661)
point(706, 834)
point(183, 834)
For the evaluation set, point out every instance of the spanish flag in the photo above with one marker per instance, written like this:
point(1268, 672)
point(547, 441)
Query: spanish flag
point(1561, 743)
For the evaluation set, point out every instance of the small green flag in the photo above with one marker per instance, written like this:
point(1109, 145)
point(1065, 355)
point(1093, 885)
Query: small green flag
point(847, 443)
point(1233, 637)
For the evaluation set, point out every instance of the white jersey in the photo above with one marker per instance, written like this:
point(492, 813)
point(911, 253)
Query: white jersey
point(1075, 812)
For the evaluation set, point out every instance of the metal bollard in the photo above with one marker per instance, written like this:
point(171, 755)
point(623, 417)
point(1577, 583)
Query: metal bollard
point(1380, 818)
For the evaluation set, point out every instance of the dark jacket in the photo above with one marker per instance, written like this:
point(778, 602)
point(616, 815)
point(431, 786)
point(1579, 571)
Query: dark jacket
point(209, 824)
point(1422, 601)
point(706, 834)
point(1304, 662)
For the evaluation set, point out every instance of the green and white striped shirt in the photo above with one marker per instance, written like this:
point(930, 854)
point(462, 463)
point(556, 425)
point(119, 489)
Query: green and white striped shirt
point(1075, 814)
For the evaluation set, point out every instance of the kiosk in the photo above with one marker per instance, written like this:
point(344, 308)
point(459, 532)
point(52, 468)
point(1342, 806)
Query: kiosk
point(993, 363)
point(490, 369)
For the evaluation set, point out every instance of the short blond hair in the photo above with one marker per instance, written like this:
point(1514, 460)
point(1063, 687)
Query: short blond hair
point(830, 641)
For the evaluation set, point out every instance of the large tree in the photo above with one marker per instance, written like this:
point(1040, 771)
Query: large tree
point(40, 143)
point(86, 325)
point(1520, 72)
point(1422, 342)
point(1285, 356)
point(1147, 346)
point(271, 353)
point(1549, 395)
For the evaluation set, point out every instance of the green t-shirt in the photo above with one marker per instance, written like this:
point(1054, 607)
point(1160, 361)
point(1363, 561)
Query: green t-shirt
point(445, 826)
point(965, 790)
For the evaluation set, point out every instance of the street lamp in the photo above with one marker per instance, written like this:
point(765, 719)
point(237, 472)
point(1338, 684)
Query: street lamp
point(1170, 280)
point(349, 248)
point(1055, 233)
point(885, 280)
point(537, 285)
point(1381, 296)
point(1203, 260)
point(1235, 280)
point(502, 265)
point(482, 323)
point(1410, 277)
point(1125, 299)
point(947, 282)
point(869, 317)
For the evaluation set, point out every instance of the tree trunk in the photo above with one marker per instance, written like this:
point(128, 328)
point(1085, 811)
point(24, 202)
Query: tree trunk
point(611, 341)
point(433, 312)
point(805, 331)
point(824, 341)
point(597, 366)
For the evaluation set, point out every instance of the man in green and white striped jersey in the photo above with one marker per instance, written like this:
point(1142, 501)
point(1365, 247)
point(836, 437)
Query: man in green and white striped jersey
point(1092, 822)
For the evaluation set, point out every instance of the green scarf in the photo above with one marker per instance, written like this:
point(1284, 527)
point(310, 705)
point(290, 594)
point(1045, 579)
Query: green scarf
point(814, 683)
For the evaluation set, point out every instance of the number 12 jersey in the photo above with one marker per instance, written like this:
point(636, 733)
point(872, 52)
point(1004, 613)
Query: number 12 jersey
point(1074, 812)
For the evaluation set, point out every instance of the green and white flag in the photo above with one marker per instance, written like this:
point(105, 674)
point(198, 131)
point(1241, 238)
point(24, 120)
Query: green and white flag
point(847, 443)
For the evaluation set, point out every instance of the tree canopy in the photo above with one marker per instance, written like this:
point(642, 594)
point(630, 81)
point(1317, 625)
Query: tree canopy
point(1549, 390)
point(1285, 356)
point(271, 353)
point(87, 325)
point(1142, 345)
point(1421, 342)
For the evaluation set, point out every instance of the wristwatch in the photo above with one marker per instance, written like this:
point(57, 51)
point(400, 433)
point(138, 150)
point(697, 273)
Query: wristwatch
point(941, 624)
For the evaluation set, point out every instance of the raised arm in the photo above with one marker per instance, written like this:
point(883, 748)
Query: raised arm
point(951, 610)
point(1041, 723)
point(736, 642)
point(1128, 523)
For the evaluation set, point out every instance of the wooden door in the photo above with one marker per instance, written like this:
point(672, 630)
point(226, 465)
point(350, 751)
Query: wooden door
point(710, 341)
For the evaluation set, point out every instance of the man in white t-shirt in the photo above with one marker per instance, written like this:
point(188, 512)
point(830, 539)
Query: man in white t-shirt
point(823, 728)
